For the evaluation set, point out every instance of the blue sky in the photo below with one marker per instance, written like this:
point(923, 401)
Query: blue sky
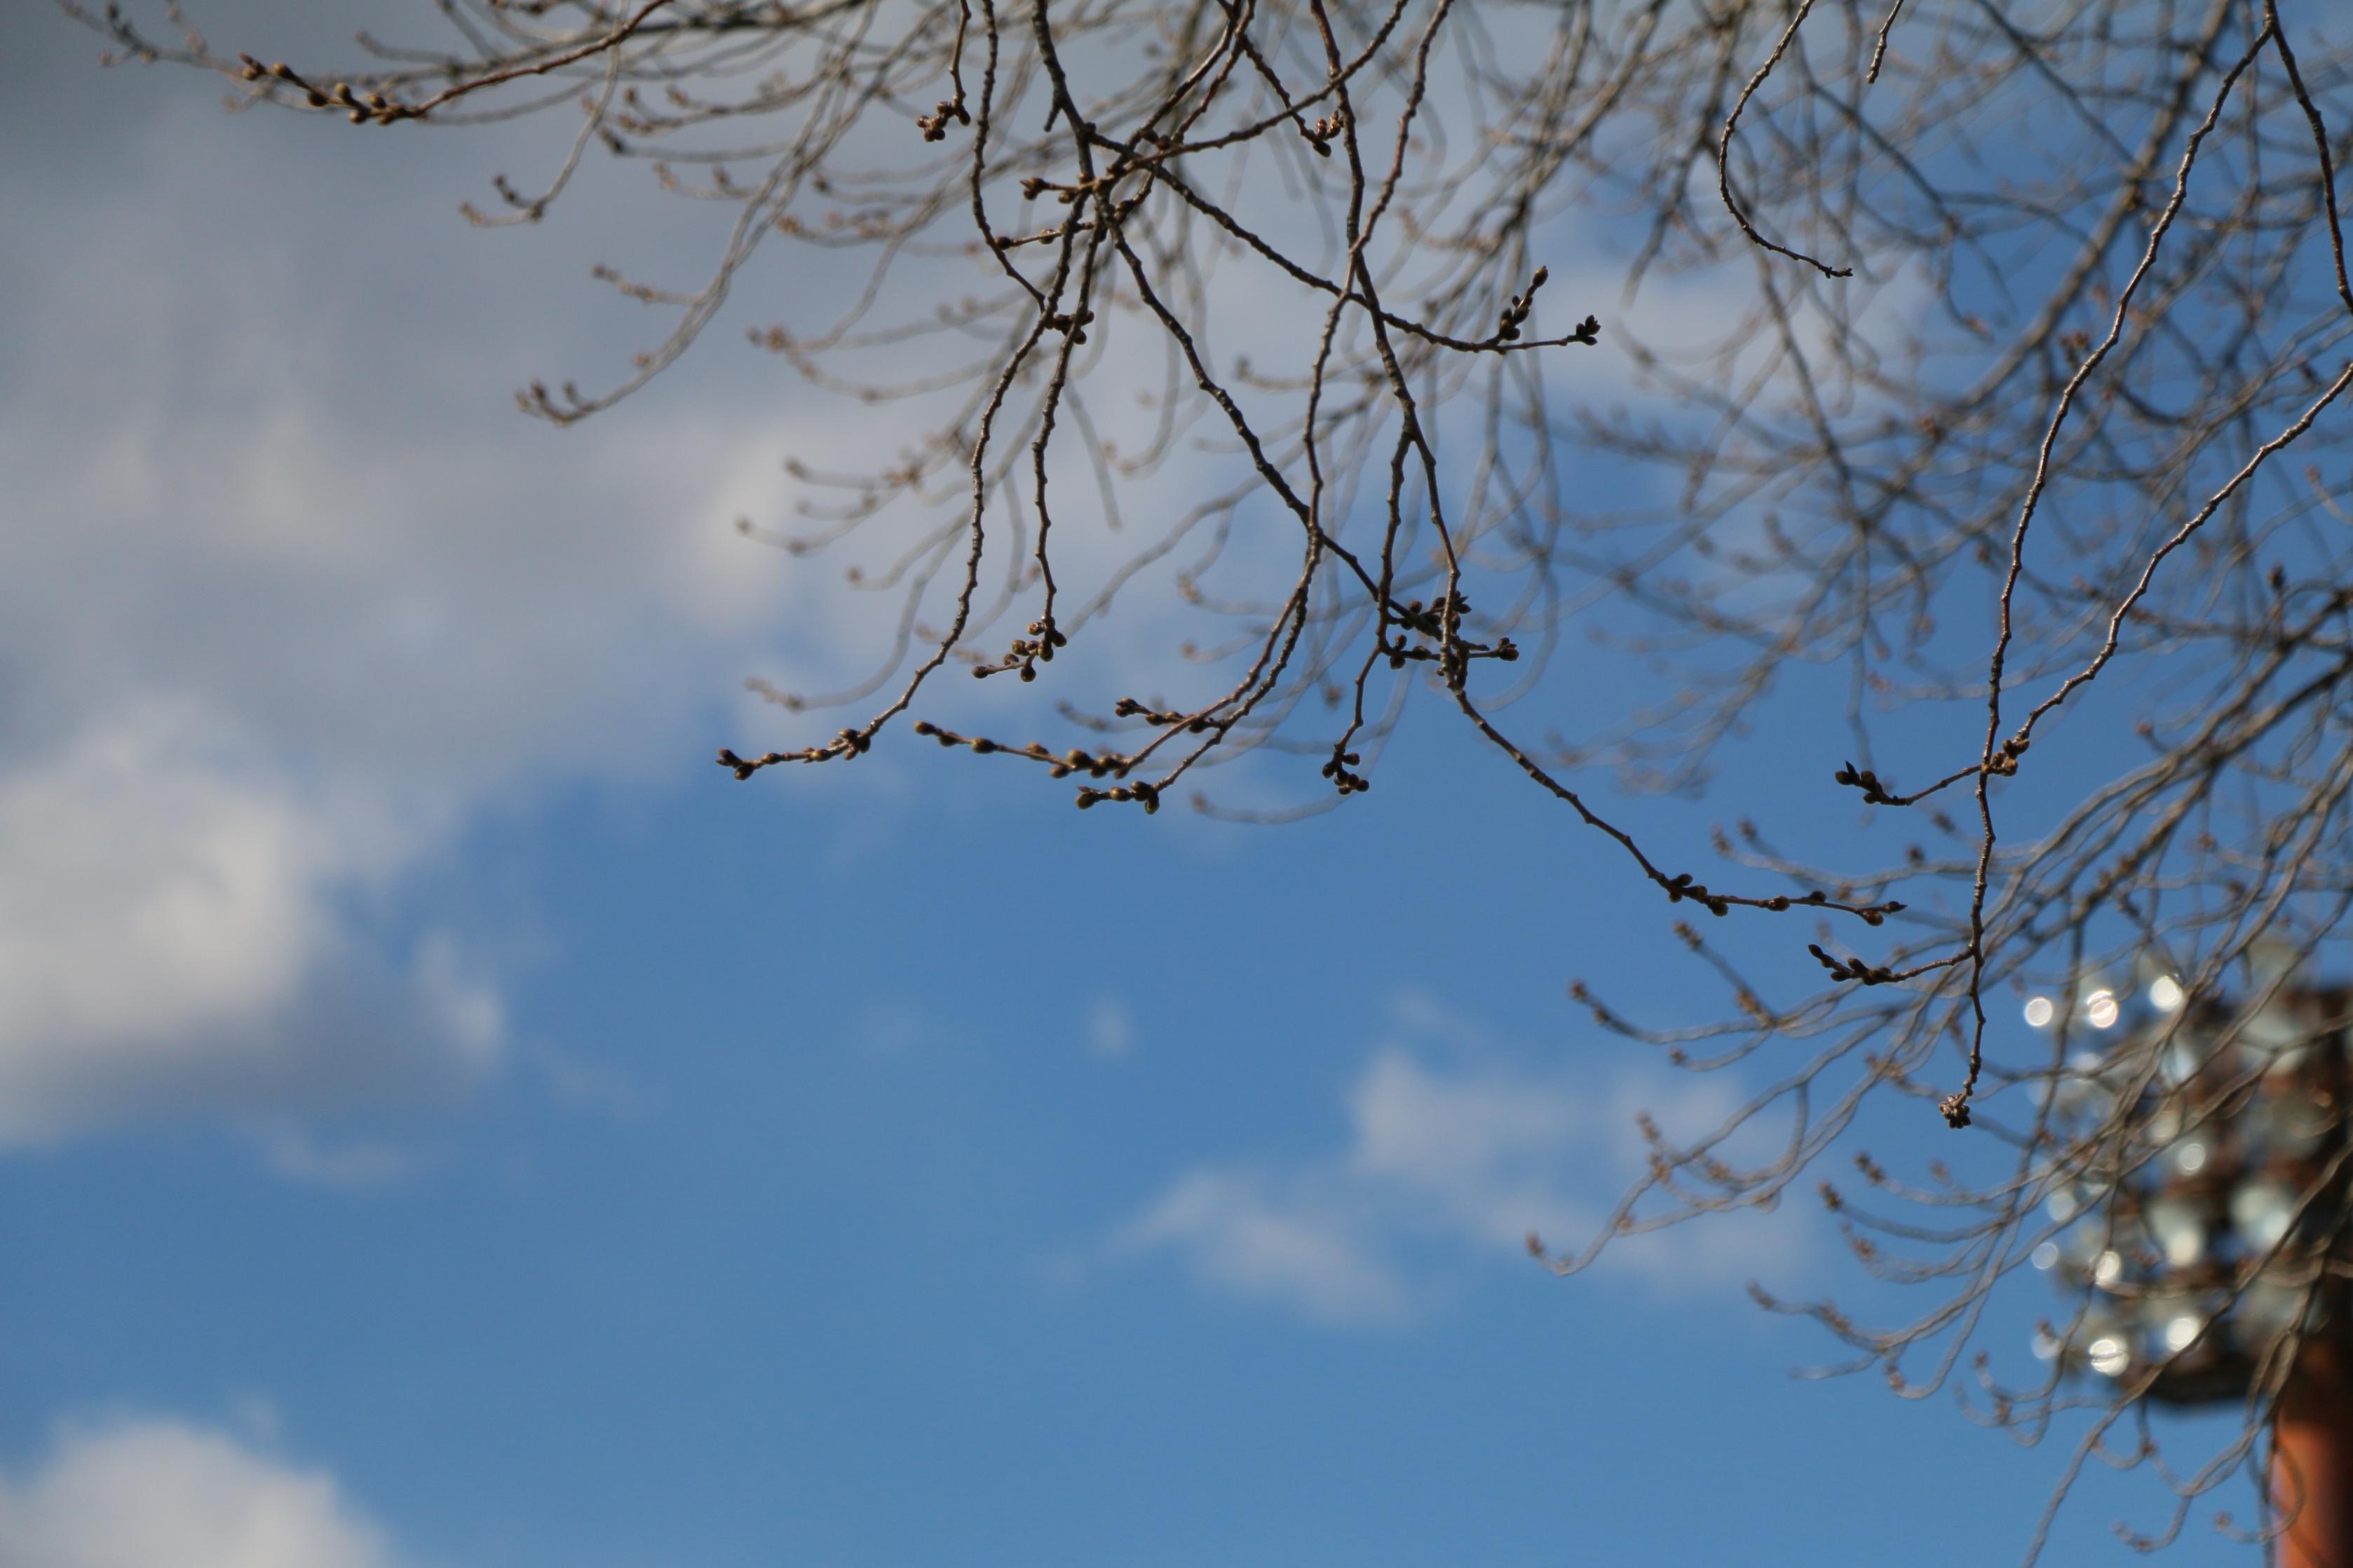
point(446, 1121)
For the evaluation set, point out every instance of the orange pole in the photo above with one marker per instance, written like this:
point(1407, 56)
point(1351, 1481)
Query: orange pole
point(2312, 1458)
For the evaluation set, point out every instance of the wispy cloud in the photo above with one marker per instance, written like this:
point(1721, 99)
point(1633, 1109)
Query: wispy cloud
point(1111, 1029)
point(1456, 1151)
point(1294, 1239)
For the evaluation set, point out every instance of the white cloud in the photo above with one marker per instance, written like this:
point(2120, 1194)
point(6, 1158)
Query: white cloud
point(153, 882)
point(293, 596)
point(1299, 1242)
point(170, 940)
point(161, 1494)
point(1453, 1152)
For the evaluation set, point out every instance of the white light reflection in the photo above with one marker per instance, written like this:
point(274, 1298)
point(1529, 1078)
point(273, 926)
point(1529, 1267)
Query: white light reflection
point(2261, 1212)
point(2108, 1269)
point(2039, 1012)
point(2181, 1330)
point(2101, 1008)
point(2044, 1255)
point(2107, 1355)
point(2165, 993)
point(2180, 1229)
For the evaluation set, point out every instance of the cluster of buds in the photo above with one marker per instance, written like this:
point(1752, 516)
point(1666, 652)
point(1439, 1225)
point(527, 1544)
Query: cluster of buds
point(1430, 619)
point(1851, 968)
point(1074, 760)
point(1138, 790)
point(1682, 885)
point(1026, 652)
point(935, 125)
point(1582, 995)
point(562, 407)
point(360, 108)
point(1507, 326)
point(1129, 707)
point(1037, 185)
point(845, 743)
point(1338, 771)
point(1873, 792)
point(1319, 135)
point(1440, 621)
